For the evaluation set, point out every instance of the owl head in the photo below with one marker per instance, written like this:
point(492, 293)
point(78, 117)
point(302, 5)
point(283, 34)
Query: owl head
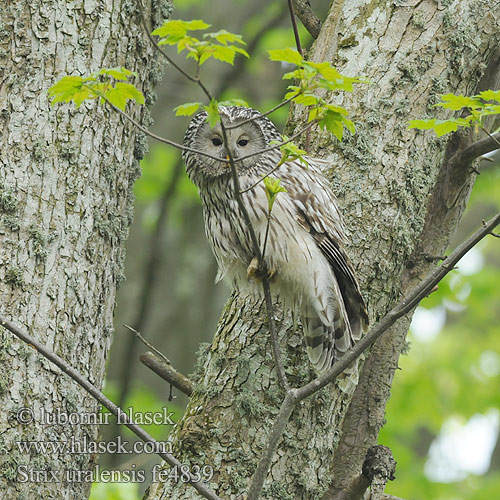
point(249, 138)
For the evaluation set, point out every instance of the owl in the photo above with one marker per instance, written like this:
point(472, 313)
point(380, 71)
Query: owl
point(309, 270)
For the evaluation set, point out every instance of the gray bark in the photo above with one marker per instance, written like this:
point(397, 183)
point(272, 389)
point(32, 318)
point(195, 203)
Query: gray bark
point(66, 180)
point(401, 200)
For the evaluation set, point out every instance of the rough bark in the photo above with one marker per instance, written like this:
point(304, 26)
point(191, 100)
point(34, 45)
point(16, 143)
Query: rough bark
point(387, 179)
point(66, 180)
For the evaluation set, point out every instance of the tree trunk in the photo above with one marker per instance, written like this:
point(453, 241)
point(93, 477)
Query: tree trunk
point(397, 192)
point(66, 198)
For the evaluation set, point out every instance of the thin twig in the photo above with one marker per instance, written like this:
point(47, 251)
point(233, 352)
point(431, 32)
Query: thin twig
point(200, 486)
point(268, 112)
point(263, 271)
point(295, 29)
point(148, 344)
point(167, 372)
point(403, 307)
point(305, 129)
point(241, 205)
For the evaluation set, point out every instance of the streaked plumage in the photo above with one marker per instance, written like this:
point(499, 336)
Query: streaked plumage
point(305, 248)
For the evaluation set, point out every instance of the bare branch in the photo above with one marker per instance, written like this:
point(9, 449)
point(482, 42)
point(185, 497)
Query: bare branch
point(147, 344)
point(199, 486)
point(268, 112)
point(295, 29)
point(263, 271)
point(279, 425)
point(477, 149)
point(167, 372)
point(403, 307)
point(304, 12)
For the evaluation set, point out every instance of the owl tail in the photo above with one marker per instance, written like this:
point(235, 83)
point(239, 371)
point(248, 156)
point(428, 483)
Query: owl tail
point(327, 340)
point(329, 331)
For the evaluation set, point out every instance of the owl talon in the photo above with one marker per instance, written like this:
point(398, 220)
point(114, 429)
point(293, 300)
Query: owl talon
point(253, 271)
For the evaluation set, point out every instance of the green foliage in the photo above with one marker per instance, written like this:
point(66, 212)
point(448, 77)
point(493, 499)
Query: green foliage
point(221, 45)
point(312, 76)
point(273, 188)
point(108, 84)
point(479, 106)
point(114, 491)
point(290, 152)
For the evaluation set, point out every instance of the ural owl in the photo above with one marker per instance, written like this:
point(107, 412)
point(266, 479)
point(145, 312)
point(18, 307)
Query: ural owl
point(304, 253)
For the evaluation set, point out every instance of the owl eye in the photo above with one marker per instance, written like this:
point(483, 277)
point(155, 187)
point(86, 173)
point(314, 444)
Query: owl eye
point(216, 141)
point(242, 142)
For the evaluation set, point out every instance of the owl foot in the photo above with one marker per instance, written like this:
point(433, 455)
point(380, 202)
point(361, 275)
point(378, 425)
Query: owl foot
point(253, 271)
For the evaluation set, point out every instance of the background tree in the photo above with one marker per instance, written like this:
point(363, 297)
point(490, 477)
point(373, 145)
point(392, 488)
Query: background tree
point(66, 199)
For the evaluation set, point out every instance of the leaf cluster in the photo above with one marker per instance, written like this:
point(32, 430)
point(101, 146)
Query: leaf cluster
point(310, 78)
point(479, 106)
point(221, 45)
point(273, 187)
point(108, 84)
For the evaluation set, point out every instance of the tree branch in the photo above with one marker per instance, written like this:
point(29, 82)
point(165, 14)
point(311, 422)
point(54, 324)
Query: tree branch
point(200, 486)
point(167, 372)
point(295, 29)
point(477, 149)
point(403, 307)
point(263, 271)
point(304, 12)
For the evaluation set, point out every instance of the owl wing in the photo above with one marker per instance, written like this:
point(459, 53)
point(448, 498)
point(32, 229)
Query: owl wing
point(318, 213)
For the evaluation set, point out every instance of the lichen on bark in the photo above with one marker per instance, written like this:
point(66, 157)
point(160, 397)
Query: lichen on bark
point(65, 207)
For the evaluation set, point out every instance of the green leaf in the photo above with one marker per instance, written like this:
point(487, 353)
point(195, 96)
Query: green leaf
point(456, 102)
point(441, 127)
point(225, 37)
point(99, 84)
point(223, 53)
point(128, 91)
point(333, 122)
point(293, 91)
point(296, 74)
point(273, 188)
point(117, 73)
point(213, 116)
point(288, 55)
point(290, 151)
point(349, 125)
point(307, 99)
point(490, 95)
point(175, 29)
point(187, 109)
point(422, 124)
point(65, 89)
